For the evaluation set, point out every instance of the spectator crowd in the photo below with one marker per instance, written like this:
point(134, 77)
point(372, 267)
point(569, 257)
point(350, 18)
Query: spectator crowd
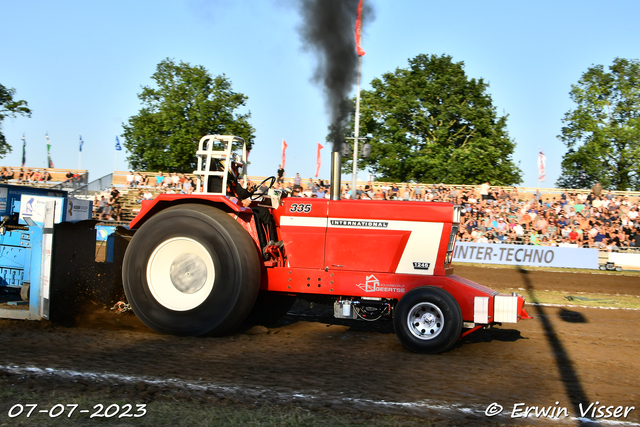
point(502, 215)
point(169, 183)
point(587, 218)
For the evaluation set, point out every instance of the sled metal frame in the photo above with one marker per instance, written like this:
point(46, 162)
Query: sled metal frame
point(41, 242)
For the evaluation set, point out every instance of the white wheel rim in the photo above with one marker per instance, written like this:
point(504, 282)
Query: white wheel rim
point(180, 274)
point(425, 321)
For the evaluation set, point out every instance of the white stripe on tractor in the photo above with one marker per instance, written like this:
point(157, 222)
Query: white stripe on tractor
point(423, 246)
point(303, 221)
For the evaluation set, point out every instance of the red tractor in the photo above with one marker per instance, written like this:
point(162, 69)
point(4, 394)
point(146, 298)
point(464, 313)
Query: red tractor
point(199, 263)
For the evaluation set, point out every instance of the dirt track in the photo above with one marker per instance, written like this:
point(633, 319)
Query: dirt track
point(571, 356)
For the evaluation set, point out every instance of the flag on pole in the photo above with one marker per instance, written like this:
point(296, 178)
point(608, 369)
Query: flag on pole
point(318, 160)
point(542, 165)
point(359, 48)
point(284, 147)
point(24, 150)
point(81, 142)
point(48, 150)
point(118, 146)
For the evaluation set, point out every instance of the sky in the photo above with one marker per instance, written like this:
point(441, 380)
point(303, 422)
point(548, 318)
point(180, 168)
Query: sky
point(81, 64)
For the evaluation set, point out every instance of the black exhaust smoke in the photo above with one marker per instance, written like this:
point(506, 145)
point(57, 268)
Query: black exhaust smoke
point(328, 30)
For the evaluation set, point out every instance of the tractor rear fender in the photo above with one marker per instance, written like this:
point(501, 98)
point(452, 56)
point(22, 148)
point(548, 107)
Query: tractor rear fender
point(164, 201)
point(243, 215)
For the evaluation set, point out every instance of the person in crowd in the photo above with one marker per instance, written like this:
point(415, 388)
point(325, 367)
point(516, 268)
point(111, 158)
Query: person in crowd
point(130, 179)
point(160, 178)
point(280, 174)
point(104, 209)
point(320, 193)
point(484, 190)
point(183, 180)
point(175, 181)
point(116, 211)
point(297, 182)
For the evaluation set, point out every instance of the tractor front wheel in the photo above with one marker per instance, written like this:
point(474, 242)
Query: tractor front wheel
point(191, 270)
point(427, 320)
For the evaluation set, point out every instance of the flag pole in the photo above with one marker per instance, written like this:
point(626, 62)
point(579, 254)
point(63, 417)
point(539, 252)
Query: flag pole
point(24, 150)
point(115, 157)
point(354, 179)
point(360, 52)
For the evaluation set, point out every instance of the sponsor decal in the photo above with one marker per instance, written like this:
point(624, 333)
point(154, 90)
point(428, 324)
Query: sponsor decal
point(352, 223)
point(372, 284)
point(539, 256)
point(421, 265)
point(78, 210)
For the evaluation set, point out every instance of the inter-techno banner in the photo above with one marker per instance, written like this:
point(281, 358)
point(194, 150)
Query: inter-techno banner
point(526, 255)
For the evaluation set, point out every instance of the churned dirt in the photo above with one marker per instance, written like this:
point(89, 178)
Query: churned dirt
point(570, 355)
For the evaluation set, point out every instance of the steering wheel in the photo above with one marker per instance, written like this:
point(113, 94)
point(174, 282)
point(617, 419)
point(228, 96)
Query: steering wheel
point(257, 195)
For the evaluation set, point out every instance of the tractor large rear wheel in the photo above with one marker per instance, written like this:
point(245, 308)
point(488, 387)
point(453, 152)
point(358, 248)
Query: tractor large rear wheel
point(191, 270)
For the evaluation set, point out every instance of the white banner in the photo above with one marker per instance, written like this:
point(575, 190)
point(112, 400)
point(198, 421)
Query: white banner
point(526, 255)
point(630, 261)
point(34, 208)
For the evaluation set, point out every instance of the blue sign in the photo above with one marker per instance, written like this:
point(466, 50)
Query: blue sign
point(103, 231)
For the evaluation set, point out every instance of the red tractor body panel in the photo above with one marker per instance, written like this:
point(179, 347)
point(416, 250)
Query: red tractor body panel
point(368, 236)
point(355, 248)
point(377, 285)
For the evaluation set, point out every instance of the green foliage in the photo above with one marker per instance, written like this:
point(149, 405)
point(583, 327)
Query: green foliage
point(430, 123)
point(9, 108)
point(602, 133)
point(187, 104)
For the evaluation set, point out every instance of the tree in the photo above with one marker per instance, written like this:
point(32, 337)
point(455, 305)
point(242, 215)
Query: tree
point(430, 123)
point(602, 133)
point(187, 104)
point(10, 108)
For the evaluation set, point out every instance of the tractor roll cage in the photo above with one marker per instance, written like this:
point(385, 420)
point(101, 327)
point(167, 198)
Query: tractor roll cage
point(217, 147)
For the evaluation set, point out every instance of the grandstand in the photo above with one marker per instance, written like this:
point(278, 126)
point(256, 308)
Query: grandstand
point(612, 214)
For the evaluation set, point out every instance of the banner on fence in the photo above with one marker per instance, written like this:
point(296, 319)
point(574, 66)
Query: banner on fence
point(526, 255)
point(629, 261)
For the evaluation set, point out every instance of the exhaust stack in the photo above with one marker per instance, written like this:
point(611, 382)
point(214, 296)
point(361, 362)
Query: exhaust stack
point(336, 168)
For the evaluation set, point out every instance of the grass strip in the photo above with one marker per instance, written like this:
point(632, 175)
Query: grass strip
point(550, 269)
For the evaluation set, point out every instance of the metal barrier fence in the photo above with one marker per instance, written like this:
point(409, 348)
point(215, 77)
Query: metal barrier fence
point(86, 189)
